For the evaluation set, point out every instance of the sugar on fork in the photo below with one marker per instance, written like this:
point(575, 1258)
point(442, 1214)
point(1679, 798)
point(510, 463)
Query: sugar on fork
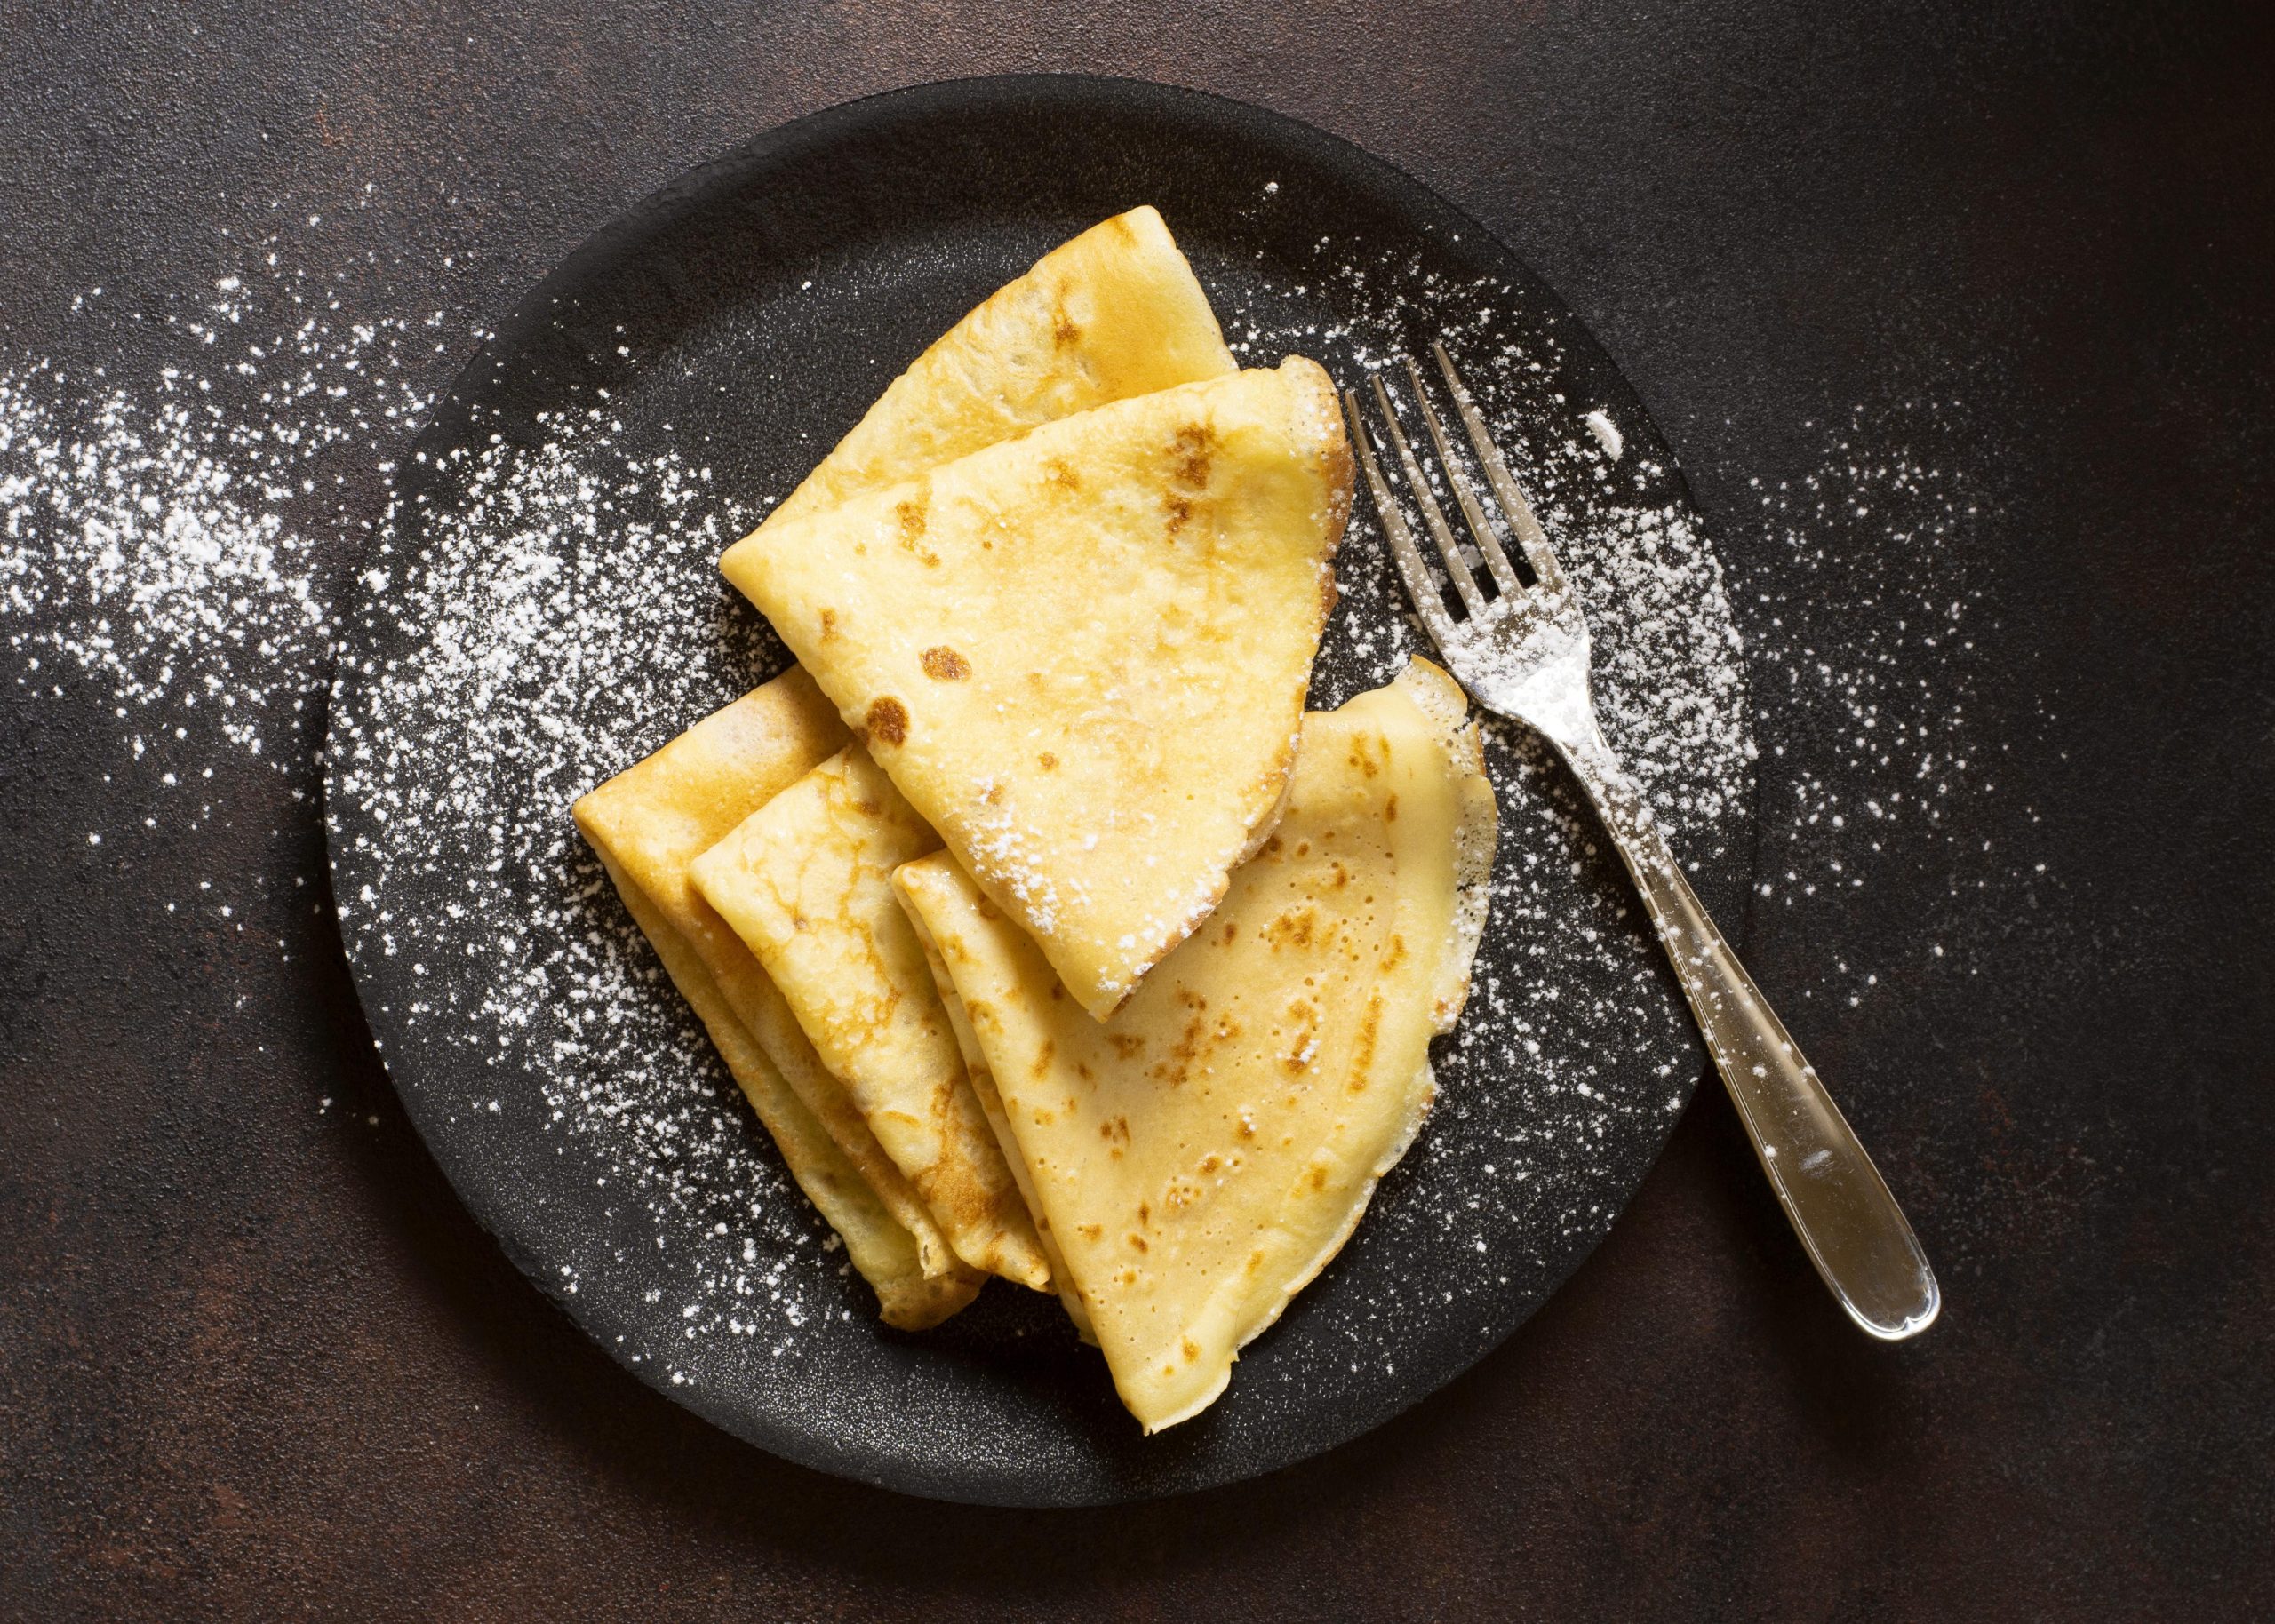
point(1522, 652)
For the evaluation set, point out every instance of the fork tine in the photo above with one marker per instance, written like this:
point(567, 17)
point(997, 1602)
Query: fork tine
point(1419, 584)
point(1433, 515)
point(1520, 514)
point(1504, 575)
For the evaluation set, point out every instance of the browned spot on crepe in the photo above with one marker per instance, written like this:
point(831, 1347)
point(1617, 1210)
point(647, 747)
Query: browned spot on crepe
point(887, 722)
point(943, 664)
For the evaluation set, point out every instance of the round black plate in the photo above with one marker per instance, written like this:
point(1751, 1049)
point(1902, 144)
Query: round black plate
point(545, 610)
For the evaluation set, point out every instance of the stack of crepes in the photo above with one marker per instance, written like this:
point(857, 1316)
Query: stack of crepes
point(1047, 934)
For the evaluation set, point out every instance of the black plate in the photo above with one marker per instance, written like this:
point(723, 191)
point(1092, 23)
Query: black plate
point(545, 610)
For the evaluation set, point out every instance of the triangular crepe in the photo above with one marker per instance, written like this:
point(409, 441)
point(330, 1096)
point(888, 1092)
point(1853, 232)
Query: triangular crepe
point(1202, 1154)
point(648, 824)
point(806, 881)
point(1113, 313)
point(1082, 655)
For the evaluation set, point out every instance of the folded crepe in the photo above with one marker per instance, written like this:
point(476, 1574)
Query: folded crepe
point(648, 823)
point(1202, 1155)
point(1113, 313)
point(1082, 655)
point(806, 882)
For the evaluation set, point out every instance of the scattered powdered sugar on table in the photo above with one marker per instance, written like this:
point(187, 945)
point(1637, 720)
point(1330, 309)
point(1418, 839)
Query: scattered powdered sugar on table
point(174, 527)
point(164, 534)
point(1883, 691)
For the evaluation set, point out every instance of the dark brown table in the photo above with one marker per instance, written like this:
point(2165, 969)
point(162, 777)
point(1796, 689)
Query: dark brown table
point(256, 1363)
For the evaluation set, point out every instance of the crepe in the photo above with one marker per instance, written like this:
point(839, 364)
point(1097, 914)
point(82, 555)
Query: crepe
point(1113, 313)
point(1082, 655)
point(648, 824)
point(1202, 1155)
point(806, 882)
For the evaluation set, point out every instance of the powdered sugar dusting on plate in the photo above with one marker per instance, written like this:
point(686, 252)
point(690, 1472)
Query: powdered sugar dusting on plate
point(565, 617)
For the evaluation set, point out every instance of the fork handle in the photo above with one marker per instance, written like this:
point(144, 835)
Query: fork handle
point(1856, 1234)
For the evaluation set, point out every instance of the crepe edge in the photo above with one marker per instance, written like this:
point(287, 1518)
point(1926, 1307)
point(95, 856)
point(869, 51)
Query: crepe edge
point(907, 1299)
point(1333, 453)
point(906, 879)
point(1147, 233)
point(1477, 823)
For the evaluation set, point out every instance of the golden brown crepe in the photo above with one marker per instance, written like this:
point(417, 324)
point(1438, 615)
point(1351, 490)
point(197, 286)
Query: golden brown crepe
point(1202, 1155)
point(1113, 313)
point(806, 882)
point(648, 824)
point(1082, 654)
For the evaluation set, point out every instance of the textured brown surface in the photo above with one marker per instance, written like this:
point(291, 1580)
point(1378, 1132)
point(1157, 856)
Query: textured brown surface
point(255, 1362)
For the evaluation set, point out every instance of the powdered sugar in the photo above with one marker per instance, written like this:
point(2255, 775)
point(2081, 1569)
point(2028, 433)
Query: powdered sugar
point(1884, 691)
point(157, 535)
point(556, 630)
point(1607, 433)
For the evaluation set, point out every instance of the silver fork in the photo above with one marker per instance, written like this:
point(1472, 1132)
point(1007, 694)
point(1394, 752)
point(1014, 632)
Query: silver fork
point(1524, 654)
